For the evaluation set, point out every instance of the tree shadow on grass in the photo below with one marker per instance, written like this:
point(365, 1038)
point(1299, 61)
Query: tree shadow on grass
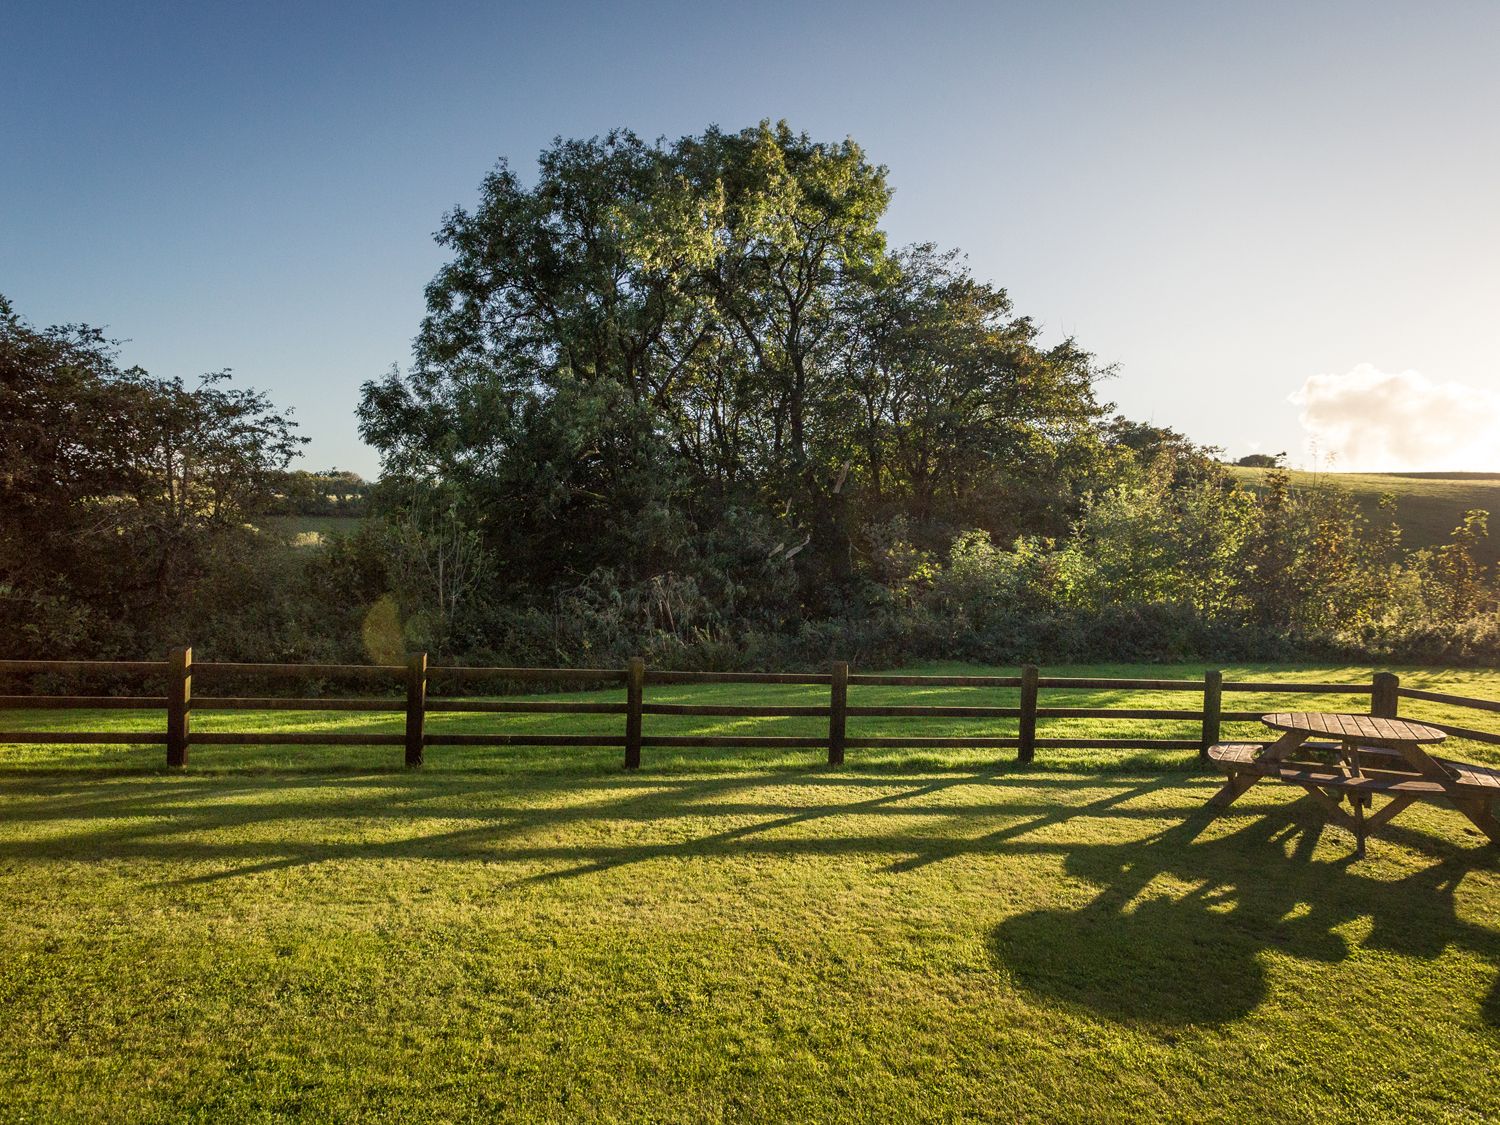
point(229, 825)
point(1179, 932)
point(1177, 935)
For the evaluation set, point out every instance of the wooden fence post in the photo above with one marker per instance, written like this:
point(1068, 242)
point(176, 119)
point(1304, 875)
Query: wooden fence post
point(179, 705)
point(838, 700)
point(635, 689)
point(1027, 750)
point(1383, 699)
point(1213, 708)
point(416, 708)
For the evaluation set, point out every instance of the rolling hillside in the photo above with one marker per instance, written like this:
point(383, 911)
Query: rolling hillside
point(309, 531)
point(1428, 505)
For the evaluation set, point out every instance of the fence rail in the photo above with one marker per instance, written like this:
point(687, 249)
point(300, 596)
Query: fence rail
point(416, 675)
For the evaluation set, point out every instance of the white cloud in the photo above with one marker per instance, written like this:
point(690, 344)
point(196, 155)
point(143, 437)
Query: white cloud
point(1367, 420)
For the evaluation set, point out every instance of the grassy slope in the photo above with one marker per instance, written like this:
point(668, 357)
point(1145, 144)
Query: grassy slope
point(1428, 505)
point(920, 935)
point(307, 531)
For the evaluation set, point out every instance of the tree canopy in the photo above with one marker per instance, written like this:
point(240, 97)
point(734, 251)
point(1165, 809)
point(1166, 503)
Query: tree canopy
point(683, 400)
point(658, 346)
point(119, 490)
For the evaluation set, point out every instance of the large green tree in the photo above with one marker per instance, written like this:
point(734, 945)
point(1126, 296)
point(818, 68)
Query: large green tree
point(654, 343)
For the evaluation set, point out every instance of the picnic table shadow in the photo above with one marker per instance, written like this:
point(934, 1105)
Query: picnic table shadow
point(1175, 934)
point(1145, 950)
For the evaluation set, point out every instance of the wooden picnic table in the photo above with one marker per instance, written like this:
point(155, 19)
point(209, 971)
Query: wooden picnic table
point(1372, 756)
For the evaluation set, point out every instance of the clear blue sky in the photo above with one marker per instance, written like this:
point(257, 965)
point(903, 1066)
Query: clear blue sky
point(1227, 201)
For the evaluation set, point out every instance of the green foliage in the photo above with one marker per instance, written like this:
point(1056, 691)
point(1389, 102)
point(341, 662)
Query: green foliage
point(681, 399)
point(686, 401)
point(1262, 461)
point(332, 493)
point(656, 343)
point(1426, 506)
point(125, 498)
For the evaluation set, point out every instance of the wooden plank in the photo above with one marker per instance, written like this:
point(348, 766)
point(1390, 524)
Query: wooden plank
point(728, 709)
point(1118, 713)
point(526, 675)
point(1384, 694)
point(880, 680)
point(1484, 736)
point(306, 671)
point(82, 702)
point(1393, 808)
point(1235, 753)
point(1243, 756)
point(773, 741)
point(1473, 775)
point(1451, 700)
point(103, 667)
point(1271, 687)
point(1352, 727)
point(1331, 778)
point(1213, 708)
point(928, 742)
point(1283, 747)
point(443, 738)
point(284, 703)
point(1090, 683)
point(1330, 806)
point(739, 678)
point(1393, 729)
point(526, 707)
point(179, 706)
point(83, 738)
point(1030, 682)
point(1117, 743)
point(416, 707)
point(1380, 757)
point(295, 738)
point(1420, 761)
point(935, 712)
point(635, 684)
point(838, 702)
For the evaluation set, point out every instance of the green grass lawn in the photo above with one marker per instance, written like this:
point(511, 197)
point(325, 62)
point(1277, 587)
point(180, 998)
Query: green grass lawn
point(299, 933)
point(1428, 505)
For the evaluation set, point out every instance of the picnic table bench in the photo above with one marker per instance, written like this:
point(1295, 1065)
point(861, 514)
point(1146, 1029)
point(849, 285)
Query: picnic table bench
point(1372, 756)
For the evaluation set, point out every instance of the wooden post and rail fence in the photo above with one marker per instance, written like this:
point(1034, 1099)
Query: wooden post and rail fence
point(180, 701)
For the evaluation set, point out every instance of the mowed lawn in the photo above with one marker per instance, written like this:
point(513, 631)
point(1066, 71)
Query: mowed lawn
point(318, 934)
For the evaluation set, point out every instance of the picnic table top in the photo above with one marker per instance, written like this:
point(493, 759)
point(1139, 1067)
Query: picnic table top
point(1353, 727)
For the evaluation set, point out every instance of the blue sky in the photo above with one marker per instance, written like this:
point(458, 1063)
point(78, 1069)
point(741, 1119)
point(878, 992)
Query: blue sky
point(1278, 221)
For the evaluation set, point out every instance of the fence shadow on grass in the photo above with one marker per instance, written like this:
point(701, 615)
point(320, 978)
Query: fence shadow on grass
point(1177, 934)
point(1143, 950)
point(230, 823)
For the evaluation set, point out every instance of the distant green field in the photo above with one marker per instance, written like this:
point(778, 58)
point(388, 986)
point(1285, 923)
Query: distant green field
point(308, 531)
point(1428, 505)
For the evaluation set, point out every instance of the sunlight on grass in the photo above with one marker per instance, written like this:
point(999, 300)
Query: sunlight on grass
point(534, 933)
